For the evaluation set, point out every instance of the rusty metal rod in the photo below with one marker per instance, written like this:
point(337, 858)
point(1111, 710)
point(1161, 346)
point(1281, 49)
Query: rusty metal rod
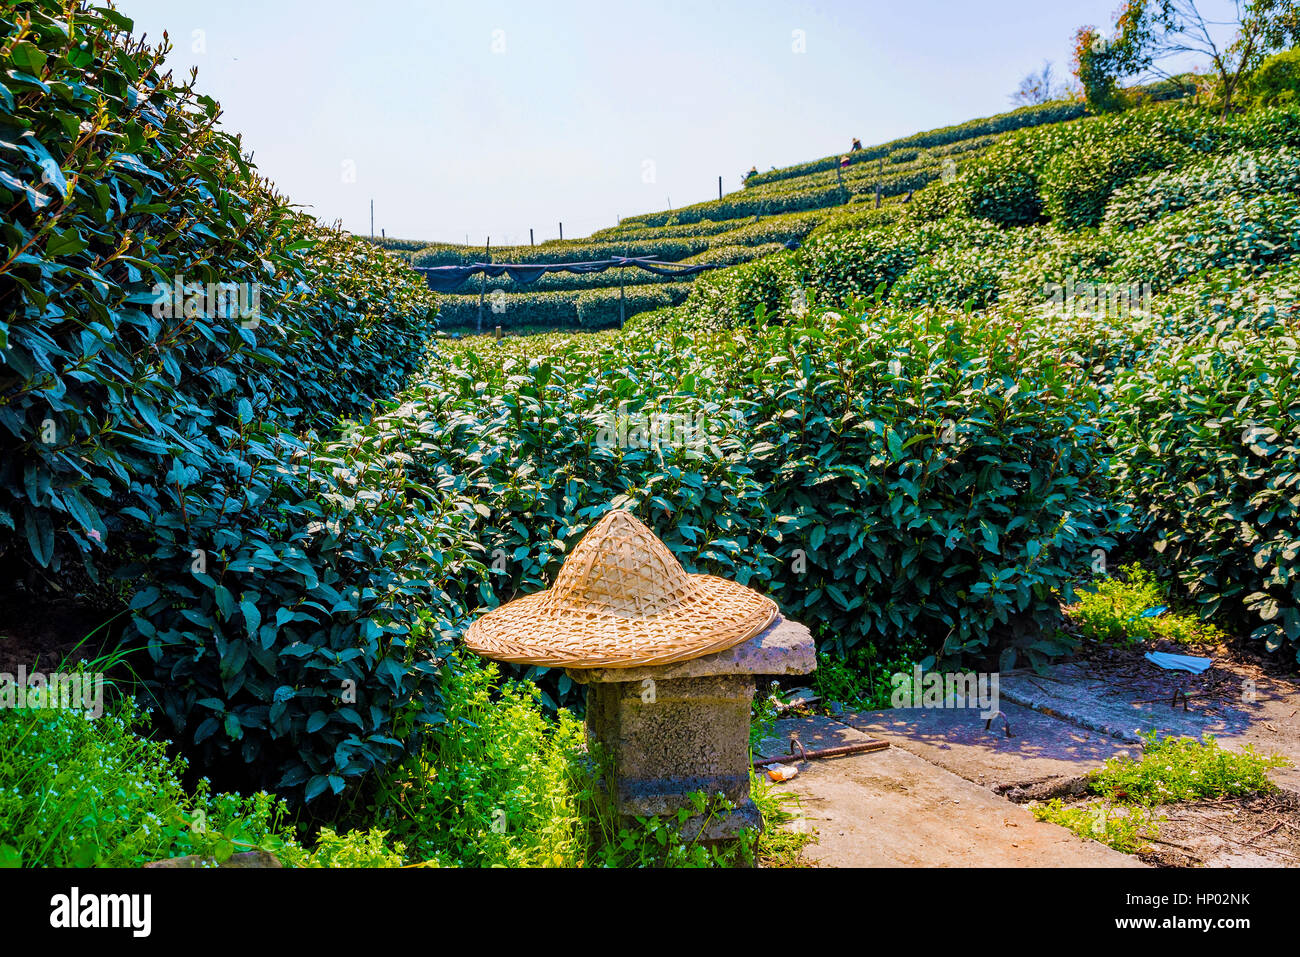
point(824, 753)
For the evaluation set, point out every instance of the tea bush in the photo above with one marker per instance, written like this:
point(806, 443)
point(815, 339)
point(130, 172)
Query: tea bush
point(113, 195)
point(398, 245)
point(732, 298)
point(825, 435)
point(667, 249)
point(1241, 173)
point(1076, 184)
point(958, 274)
point(843, 265)
point(177, 436)
point(587, 309)
point(635, 230)
point(1207, 439)
point(740, 204)
point(773, 229)
point(1225, 299)
point(1226, 233)
point(851, 186)
point(1067, 172)
point(1054, 260)
point(734, 255)
point(277, 598)
point(859, 217)
point(1002, 188)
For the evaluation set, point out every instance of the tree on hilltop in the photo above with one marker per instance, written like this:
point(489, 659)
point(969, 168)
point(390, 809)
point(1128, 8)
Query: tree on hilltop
point(1150, 32)
point(1038, 87)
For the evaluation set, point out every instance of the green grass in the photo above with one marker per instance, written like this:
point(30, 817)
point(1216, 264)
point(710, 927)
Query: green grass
point(507, 786)
point(1169, 770)
point(80, 792)
point(1125, 827)
point(500, 787)
point(1184, 769)
point(1120, 610)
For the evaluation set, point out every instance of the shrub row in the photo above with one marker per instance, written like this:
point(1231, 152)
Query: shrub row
point(635, 230)
point(557, 251)
point(1060, 111)
point(825, 478)
point(731, 297)
point(1207, 451)
point(1229, 232)
point(587, 309)
point(1068, 173)
point(739, 204)
point(852, 263)
point(171, 441)
point(1240, 173)
point(732, 255)
point(392, 244)
point(859, 177)
point(1025, 116)
point(772, 229)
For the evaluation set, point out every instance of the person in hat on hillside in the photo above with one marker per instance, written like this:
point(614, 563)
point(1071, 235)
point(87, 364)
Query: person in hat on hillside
point(857, 144)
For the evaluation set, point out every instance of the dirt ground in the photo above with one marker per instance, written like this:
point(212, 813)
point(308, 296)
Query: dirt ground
point(44, 635)
point(1261, 831)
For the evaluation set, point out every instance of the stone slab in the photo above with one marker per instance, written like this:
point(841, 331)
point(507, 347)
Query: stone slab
point(1041, 746)
point(892, 808)
point(785, 648)
point(244, 859)
point(815, 733)
point(1271, 723)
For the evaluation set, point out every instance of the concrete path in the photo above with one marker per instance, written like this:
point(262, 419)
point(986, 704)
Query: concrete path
point(1040, 746)
point(893, 808)
point(933, 799)
point(1268, 718)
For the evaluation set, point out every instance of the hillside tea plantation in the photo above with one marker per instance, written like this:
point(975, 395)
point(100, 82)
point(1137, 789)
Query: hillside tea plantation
point(919, 424)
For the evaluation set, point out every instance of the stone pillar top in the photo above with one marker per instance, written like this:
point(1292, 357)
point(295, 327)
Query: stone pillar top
point(784, 648)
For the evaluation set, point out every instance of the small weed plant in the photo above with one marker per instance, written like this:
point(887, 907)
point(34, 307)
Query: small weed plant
point(1133, 608)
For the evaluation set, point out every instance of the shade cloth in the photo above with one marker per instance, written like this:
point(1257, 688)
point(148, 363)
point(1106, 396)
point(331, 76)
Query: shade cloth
point(450, 278)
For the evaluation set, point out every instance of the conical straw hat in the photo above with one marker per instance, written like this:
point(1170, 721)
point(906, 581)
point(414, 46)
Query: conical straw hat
point(621, 600)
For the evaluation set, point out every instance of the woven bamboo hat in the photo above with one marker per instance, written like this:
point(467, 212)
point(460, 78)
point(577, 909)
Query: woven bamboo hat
point(621, 600)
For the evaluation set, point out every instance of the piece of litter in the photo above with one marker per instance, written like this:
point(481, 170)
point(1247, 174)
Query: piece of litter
point(1153, 612)
point(797, 698)
point(1192, 663)
point(782, 772)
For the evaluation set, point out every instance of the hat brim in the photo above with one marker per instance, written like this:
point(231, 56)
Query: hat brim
point(714, 615)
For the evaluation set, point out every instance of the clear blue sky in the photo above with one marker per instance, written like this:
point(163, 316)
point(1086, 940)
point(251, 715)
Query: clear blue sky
point(455, 129)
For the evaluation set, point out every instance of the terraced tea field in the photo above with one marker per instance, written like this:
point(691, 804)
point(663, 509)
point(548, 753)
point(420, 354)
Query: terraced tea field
point(776, 209)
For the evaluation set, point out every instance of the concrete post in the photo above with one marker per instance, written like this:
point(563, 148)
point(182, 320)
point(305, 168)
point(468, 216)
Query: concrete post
point(669, 730)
